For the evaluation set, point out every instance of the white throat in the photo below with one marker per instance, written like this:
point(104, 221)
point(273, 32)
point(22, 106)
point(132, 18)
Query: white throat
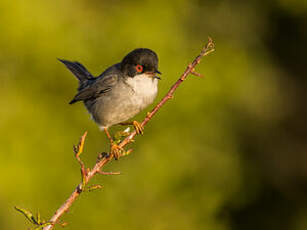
point(145, 88)
point(143, 84)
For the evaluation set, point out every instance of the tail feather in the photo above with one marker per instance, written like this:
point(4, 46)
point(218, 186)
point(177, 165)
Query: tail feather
point(78, 70)
point(72, 101)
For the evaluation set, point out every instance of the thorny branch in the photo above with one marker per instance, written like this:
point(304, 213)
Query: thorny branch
point(105, 158)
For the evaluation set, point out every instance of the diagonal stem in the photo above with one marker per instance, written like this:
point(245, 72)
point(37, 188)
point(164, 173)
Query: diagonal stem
point(108, 157)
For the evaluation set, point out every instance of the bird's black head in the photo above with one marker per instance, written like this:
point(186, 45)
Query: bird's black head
point(140, 61)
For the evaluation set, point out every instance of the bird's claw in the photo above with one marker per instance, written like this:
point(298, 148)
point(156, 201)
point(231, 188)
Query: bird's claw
point(138, 127)
point(116, 150)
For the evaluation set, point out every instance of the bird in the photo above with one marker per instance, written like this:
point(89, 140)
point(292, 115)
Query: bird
point(118, 93)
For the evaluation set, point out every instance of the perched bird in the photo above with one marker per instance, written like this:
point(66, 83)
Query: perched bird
point(120, 92)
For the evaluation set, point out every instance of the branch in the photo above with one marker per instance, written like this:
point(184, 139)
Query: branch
point(105, 158)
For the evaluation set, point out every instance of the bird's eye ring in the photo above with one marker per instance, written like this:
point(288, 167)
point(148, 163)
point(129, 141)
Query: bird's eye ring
point(139, 68)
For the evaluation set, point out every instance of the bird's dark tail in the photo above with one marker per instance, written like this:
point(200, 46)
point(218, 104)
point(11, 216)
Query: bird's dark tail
point(78, 70)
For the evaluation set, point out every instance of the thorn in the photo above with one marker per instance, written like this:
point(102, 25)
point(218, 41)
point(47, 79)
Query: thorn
point(127, 152)
point(94, 187)
point(196, 74)
point(108, 173)
point(64, 224)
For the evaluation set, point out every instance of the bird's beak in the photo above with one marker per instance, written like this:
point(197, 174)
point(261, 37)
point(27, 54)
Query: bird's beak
point(157, 77)
point(158, 72)
point(153, 74)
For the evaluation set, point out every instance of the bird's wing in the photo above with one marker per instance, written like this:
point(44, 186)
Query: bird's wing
point(93, 90)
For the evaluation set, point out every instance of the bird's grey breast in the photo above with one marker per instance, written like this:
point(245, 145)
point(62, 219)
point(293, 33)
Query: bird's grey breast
point(126, 99)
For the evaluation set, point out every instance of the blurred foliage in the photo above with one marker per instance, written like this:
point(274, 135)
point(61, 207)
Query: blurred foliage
point(229, 152)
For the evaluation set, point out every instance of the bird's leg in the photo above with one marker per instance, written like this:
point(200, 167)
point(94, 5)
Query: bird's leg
point(137, 126)
point(115, 149)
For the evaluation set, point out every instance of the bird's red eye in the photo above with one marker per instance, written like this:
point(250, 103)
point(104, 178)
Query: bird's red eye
point(139, 68)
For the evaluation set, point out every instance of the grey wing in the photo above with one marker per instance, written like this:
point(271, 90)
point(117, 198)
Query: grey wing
point(96, 88)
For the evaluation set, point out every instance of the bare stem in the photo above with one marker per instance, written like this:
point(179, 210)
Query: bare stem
point(106, 158)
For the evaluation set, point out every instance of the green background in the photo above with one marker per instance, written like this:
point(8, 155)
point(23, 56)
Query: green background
point(228, 152)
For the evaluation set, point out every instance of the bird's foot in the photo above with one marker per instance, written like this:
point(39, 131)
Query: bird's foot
point(116, 150)
point(138, 127)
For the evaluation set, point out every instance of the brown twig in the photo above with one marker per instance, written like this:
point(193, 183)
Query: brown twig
point(105, 158)
point(108, 173)
point(78, 150)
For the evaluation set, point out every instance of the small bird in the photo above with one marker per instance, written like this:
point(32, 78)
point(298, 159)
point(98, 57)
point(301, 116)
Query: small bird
point(120, 92)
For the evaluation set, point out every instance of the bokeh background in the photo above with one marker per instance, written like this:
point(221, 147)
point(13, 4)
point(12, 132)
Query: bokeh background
point(228, 153)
